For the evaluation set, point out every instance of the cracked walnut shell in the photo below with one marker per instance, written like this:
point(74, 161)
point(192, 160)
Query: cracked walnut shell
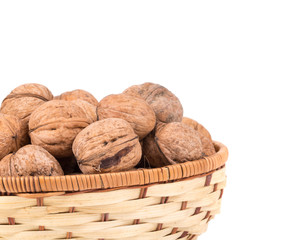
point(134, 110)
point(107, 145)
point(55, 124)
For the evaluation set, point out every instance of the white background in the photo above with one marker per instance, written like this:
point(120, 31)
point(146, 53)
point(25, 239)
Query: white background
point(225, 60)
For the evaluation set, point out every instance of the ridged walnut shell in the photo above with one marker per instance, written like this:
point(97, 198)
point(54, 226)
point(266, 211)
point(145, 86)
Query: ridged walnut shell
point(172, 143)
point(107, 145)
point(165, 104)
point(208, 147)
point(12, 134)
point(30, 160)
point(55, 124)
point(89, 109)
point(197, 126)
point(78, 94)
point(23, 100)
point(134, 110)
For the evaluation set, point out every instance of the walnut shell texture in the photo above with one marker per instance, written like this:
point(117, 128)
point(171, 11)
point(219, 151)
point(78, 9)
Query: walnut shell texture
point(107, 145)
point(30, 160)
point(23, 100)
point(5, 166)
point(78, 94)
point(173, 143)
point(12, 134)
point(134, 110)
point(89, 109)
point(152, 154)
point(208, 147)
point(197, 126)
point(165, 104)
point(55, 124)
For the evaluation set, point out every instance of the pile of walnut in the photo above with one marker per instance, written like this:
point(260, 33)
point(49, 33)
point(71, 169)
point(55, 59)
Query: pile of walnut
point(74, 133)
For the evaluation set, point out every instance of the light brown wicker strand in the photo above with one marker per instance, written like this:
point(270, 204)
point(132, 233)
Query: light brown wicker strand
point(40, 203)
point(198, 209)
point(162, 201)
point(207, 183)
point(142, 194)
point(104, 218)
point(220, 196)
point(183, 207)
point(69, 234)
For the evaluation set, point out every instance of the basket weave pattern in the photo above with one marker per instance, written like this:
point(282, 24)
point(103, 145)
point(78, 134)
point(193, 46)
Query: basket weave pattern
point(162, 209)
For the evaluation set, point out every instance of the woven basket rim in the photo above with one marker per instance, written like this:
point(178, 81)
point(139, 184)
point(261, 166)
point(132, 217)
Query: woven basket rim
point(139, 177)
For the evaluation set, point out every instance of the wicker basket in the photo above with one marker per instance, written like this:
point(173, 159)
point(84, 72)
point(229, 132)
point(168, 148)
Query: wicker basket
point(173, 202)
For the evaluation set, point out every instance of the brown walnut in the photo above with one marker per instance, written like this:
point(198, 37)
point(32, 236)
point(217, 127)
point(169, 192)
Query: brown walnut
point(23, 100)
point(5, 166)
point(107, 145)
point(55, 124)
point(134, 110)
point(30, 160)
point(197, 126)
point(78, 94)
point(12, 134)
point(89, 109)
point(208, 147)
point(172, 143)
point(165, 104)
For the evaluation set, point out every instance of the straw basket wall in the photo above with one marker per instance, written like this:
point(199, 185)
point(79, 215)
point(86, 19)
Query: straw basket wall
point(173, 202)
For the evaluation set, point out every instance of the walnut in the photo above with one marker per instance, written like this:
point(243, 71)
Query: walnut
point(165, 104)
point(78, 94)
point(89, 109)
point(23, 100)
point(55, 124)
point(172, 143)
point(107, 145)
point(30, 160)
point(208, 147)
point(134, 110)
point(5, 166)
point(12, 134)
point(197, 126)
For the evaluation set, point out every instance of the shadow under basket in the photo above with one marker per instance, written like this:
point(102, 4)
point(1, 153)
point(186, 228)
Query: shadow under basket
point(172, 202)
